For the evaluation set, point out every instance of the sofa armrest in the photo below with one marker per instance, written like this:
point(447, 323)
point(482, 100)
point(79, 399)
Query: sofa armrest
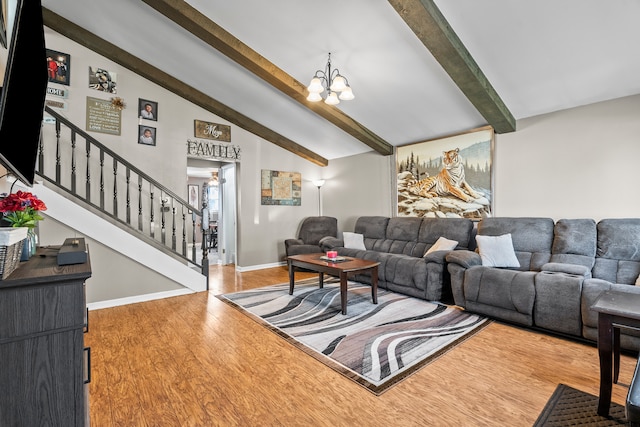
point(292, 242)
point(329, 242)
point(436, 256)
point(574, 269)
point(464, 258)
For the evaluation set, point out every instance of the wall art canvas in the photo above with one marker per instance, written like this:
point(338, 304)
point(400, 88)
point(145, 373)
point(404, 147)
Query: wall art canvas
point(447, 177)
point(59, 67)
point(281, 188)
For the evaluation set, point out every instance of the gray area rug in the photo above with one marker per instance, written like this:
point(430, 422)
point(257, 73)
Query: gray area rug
point(375, 345)
point(570, 407)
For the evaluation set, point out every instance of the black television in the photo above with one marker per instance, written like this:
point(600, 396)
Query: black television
point(23, 90)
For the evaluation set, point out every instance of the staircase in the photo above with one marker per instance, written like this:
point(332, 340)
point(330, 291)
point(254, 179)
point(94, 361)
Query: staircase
point(92, 189)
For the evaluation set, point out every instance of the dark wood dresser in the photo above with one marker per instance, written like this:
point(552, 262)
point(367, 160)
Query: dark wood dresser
point(44, 366)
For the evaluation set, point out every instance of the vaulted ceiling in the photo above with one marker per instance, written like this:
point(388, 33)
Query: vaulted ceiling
point(419, 69)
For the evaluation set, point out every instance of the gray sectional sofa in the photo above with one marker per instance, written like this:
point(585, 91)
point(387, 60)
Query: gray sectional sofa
point(564, 267)
point(400, 244)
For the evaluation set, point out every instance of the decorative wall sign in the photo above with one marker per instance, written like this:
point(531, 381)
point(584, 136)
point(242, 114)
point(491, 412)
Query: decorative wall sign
point(60, 105)
point(62, 93)
point(102, 80)
point(59, 67)
point(102, 116)
point(281, 188)
point(449, 176)
point(147, 109)
point(147, 135)
point(210, 130)
point(210, 150)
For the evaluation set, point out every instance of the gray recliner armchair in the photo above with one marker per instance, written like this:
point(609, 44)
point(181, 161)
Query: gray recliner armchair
point(312, 230)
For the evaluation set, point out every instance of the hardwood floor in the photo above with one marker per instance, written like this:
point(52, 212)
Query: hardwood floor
point(195, 361)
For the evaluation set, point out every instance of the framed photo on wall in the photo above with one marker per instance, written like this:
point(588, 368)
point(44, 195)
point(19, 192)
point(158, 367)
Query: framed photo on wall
point(447, 177)
point(148, 110)
point(59, 67)
point(147, 135)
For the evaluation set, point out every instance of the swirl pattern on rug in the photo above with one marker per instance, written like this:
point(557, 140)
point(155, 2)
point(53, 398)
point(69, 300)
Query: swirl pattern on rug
point(376, 345)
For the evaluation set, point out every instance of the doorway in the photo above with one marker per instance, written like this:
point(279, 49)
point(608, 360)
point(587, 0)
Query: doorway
point(217, 194)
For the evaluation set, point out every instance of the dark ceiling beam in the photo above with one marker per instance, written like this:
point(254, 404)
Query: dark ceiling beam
point(430, 26)
point(211, 33)
point(153, 74)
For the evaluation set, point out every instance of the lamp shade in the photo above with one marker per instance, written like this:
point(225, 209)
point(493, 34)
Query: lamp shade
point(314, 97)
point(338, 84)
point(318, 182)
point(315, 86)
point(332, 99)
point(347, 94)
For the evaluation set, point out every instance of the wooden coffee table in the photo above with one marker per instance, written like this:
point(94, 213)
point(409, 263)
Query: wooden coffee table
point(341, 269)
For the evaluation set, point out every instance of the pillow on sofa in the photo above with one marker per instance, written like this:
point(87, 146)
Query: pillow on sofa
point(497, 251)
point(442, 244)
point(353, 240)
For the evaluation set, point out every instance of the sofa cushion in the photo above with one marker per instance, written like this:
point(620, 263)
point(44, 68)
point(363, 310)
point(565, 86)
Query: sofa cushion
point(532, 238)
point(442, 244)
point(618, 250)
point(574, 242)
point(497, 251)
point(353, 240)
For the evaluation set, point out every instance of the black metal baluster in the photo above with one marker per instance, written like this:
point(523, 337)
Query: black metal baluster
point(87, 196)
point(128, 179)
point(58, 156)
point(162, 223)
point(193, 237)
point(115, 188)
point(184, 232)
point(139, 203)
point(101, 179)
point(173, 226)
point(152, 232)
point(73, 163)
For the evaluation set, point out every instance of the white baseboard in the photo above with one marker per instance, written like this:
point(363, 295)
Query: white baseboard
point(260, 266)
point(138, 298)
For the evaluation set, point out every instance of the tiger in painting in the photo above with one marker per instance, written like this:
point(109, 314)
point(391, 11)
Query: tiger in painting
point(449, 181)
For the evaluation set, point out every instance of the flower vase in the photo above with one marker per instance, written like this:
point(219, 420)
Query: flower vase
point(29, 247)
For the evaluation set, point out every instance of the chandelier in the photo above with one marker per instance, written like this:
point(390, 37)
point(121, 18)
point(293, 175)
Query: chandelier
point(333, 82)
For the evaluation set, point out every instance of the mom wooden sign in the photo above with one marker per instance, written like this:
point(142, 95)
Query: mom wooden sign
point(210, 130)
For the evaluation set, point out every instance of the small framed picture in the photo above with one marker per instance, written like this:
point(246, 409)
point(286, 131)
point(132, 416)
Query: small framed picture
point(147, 109)
point(103, 80)
point(192, 191)
point(58, 67)
point(147, 135)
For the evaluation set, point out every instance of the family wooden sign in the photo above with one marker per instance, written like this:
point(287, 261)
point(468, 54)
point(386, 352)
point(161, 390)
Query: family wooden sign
point(211, 150)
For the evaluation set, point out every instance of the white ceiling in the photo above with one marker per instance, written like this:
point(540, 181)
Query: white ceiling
point(540, 56)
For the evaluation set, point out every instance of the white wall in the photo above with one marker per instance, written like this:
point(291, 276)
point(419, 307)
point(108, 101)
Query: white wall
point(577, 163)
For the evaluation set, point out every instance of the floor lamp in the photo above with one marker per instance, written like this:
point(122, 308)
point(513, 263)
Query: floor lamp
point(319, 183)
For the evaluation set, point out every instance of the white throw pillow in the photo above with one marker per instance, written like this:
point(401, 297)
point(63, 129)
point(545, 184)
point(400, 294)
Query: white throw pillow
point(497, 251)
point(353, 240)
point(442, 244)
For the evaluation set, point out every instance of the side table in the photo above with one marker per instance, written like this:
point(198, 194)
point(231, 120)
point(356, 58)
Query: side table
point(615, 310)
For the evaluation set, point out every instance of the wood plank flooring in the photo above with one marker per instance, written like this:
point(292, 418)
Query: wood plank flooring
point(195, 361)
